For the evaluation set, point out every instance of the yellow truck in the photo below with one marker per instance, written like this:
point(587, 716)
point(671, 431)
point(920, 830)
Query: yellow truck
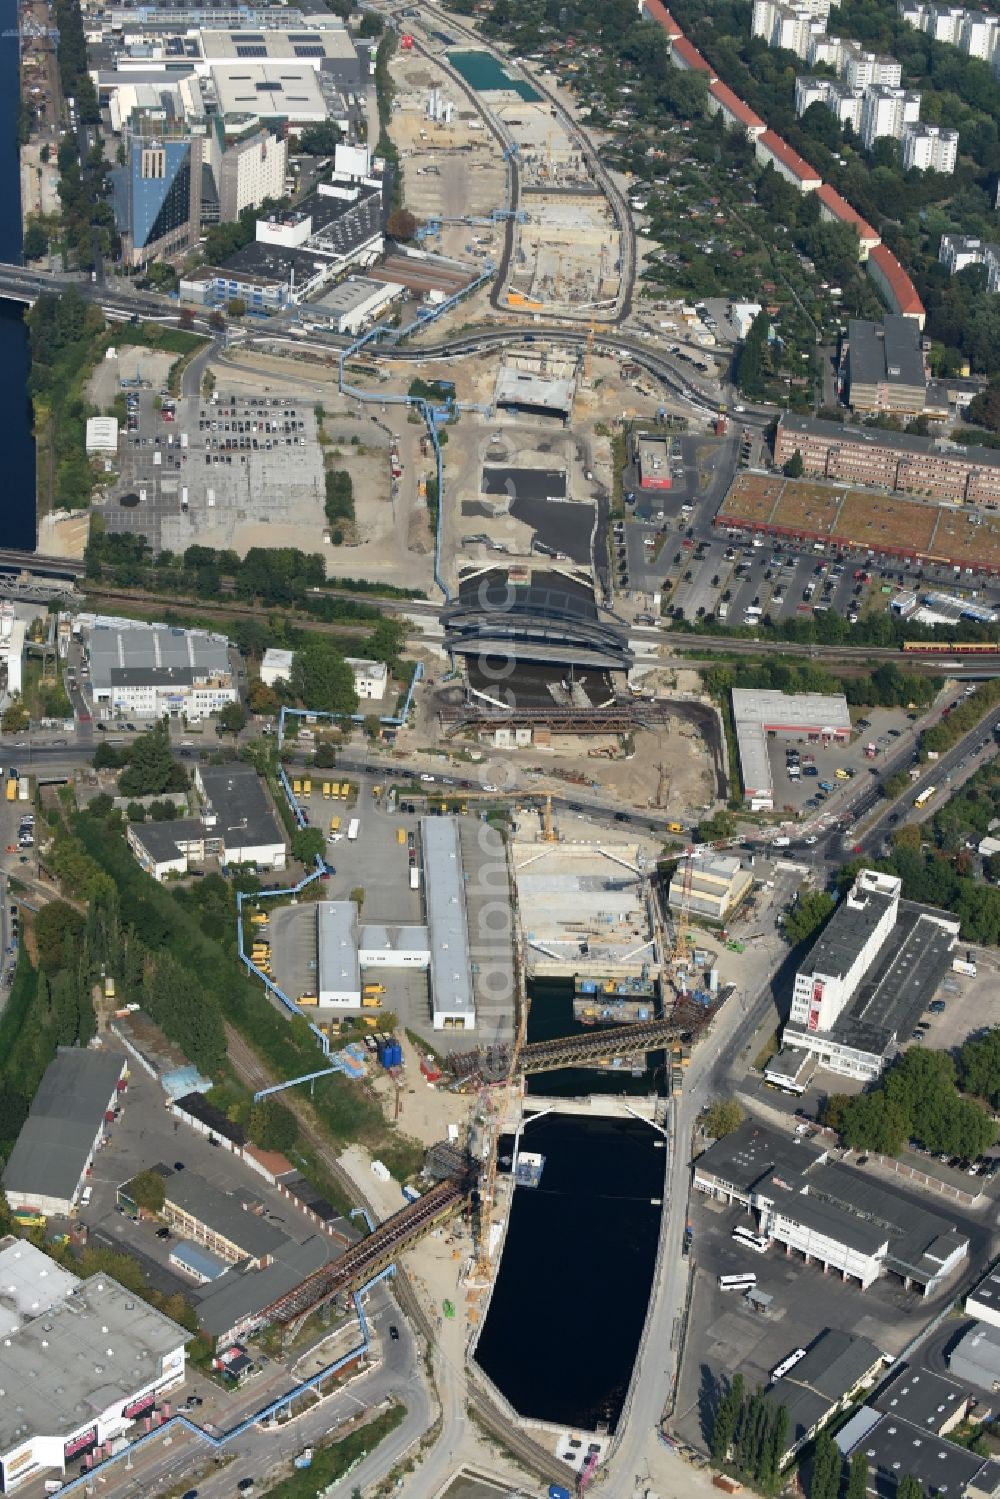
point(258, 919)
point(335, 789)
point(297, 787)
point(372, 989)
point(334, 824)
point(307, 999)
point(345, 787)
point(12, 797)
point(326, 791)
point(675, 827)
point(307, 787)
point(400, 835)
point(371, 1002)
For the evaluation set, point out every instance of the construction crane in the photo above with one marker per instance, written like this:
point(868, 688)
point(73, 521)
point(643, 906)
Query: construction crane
point(682, 926)
point(588, 358)
point(549, 834)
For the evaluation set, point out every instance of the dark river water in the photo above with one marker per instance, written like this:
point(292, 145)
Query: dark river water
point(567, 1311)
point(17, 503)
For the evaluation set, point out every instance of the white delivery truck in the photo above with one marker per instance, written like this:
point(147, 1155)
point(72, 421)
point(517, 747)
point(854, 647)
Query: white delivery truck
point(354, 827)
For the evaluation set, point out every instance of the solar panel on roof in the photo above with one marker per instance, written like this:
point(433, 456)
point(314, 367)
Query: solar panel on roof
point(309, 49)
point(248, 49)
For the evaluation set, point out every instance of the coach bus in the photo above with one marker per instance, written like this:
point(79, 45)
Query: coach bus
point(780, 1370)
point(757, 1242)
point(737, 1282)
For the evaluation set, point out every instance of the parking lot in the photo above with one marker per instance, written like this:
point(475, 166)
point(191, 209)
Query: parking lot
point(725, 1336)
point(147, 1135)
point(219, 471)
point(886, 728)
point(378, 866)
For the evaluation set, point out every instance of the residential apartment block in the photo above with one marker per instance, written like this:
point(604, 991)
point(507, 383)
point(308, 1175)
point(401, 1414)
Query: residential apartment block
point(891, 460)
point(791, 27)
point(885, 111)
point(862, 69)
point(956, 251)
point(929, 148)
point(974, 32)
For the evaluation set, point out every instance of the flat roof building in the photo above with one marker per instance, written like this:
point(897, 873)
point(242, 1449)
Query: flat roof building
point(370, 678)
point(653, 454)
point(867, 979)
point(88, 1366)
point(337, 947)
point(65, 1125)
point(712, 886)
point(272, 91)
point(452, 1002)
point(819, 1386)
point(227, 1223)
point(759, 714)
point(239, 822)
point(895, 1448)
point(167, 848)
point(833, 1217)
point(153, 671)
point(353, 304)
point(890, 460)
point(975, 1358)
point(929, 1400)
point(883, 364)
point(102, 434)
point(983, 1302)
point(276, 666)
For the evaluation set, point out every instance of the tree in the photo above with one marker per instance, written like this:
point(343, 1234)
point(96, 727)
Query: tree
point(978, 1062)
point(147, 1191)
point(320, 139)
point(308, 845)
point(57, 934)
point(726, 1417)
point(910, 1488)
point(794, 468)
point(401, 224)
point(272, 1125)
point(750, 359)
point(233, 719)
point(722, 1117)
point(321, 678)
point(35, 243)
point(857, 1484)
point(151, 766)
point(372, 726)
point(826, 1468)
point(811, 910)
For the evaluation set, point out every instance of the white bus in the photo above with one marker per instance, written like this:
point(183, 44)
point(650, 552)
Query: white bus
point(756, 1242)
point(353, 828)
point(780, 1370)
point(924, 797)
point(744, 1282)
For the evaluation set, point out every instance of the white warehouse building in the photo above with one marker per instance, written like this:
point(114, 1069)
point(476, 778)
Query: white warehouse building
point(85, 1363)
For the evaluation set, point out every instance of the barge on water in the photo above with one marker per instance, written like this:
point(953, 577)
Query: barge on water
point(604, 1000)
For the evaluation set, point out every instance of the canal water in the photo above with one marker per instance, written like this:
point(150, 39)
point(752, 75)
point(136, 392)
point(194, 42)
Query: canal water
point(17, 507)
point(550, 1015)
point(484, 73)
point(567, 1311)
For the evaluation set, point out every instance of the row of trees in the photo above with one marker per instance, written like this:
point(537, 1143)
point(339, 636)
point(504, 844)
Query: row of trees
point(62, 332)
point(339, 502)
point(750, 1435)
point(282, 577)
point(886, 687)
point(917, 1099)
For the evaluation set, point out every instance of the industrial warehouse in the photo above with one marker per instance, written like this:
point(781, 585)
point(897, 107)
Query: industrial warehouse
point(864, 985)
point(64, 1129)
point(828, 1215)
point(82, 1362)
point(760, 715)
